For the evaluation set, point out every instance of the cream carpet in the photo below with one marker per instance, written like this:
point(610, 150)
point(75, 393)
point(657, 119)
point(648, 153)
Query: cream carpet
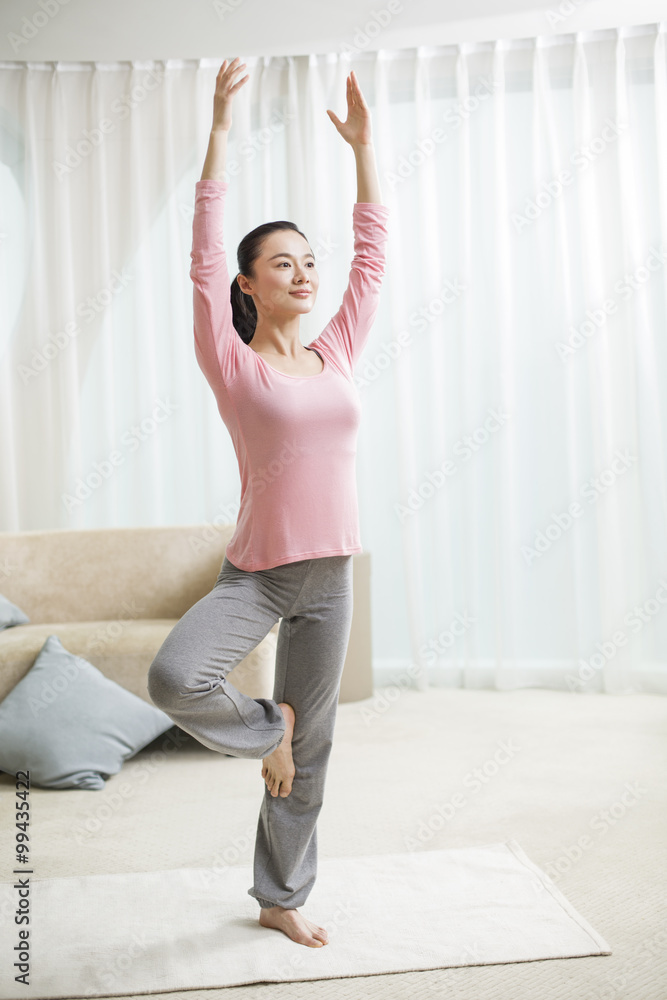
point(193, 927)
point(412, 773)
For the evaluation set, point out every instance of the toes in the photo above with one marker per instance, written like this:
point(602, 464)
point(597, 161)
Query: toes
point(277, 785)
point(292, 924)
point(310, 940)
point(270, 780)
point(287, 780)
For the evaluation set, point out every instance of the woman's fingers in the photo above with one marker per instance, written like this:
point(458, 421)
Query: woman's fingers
point(228, 68)
point(232, 68)
point(357, 89)
point(239, 84)
point(228, 76)
point(355, 94)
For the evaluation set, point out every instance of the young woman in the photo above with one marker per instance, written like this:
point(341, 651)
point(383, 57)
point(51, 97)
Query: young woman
point(293, 414)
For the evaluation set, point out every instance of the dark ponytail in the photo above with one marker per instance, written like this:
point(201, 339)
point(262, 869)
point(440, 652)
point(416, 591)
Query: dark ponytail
point(244, 313)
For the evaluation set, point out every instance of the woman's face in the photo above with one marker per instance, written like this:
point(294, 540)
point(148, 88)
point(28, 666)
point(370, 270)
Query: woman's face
point(285, 278)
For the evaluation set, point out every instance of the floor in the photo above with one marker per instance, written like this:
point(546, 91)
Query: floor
point(577, 780)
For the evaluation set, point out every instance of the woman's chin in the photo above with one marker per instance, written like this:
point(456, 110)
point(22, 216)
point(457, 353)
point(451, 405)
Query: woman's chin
point(303, 305)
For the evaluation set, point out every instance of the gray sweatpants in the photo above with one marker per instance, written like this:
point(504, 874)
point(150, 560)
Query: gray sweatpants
point(187, 680)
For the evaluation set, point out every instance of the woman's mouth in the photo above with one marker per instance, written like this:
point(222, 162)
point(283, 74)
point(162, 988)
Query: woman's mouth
point(301, 295)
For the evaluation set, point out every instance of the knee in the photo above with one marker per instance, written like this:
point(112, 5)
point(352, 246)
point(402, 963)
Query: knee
point(162, 689)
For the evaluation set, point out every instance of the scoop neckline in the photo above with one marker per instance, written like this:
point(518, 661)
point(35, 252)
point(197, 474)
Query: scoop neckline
point(278, 372)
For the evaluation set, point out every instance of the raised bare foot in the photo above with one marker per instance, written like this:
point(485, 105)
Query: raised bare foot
point(296, 927)
point(278, 770)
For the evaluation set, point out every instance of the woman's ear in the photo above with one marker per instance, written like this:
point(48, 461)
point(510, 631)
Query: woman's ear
point(243, 284)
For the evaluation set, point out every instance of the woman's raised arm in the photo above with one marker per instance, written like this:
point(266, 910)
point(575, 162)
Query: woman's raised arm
point(356, 130)
point(226, 85)
point(347, 332)
point(217, 344)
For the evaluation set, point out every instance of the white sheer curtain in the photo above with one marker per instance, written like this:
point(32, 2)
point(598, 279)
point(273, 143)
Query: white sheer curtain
point(511, 462)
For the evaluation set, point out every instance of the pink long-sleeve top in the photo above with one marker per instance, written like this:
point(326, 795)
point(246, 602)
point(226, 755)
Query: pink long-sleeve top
point(295, 436)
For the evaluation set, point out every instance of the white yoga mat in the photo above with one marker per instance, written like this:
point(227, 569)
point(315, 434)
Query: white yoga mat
point(153, 932)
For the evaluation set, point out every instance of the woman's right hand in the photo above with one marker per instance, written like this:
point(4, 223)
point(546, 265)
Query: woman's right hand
point(226, 85)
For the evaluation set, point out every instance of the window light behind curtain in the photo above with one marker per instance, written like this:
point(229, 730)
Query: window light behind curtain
point(511, 460)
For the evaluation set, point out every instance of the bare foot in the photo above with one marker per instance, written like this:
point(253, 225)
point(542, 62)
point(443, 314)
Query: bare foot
point(278, 770)
point(296, 927)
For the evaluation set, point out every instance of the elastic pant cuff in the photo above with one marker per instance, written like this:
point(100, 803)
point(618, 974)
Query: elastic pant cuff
point(266, 904)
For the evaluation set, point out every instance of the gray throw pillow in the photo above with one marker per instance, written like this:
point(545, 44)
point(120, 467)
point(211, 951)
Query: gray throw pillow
point(71, 726)
point(10, 614)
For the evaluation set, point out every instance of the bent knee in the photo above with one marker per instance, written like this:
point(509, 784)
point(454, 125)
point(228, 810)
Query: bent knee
point(163, 687)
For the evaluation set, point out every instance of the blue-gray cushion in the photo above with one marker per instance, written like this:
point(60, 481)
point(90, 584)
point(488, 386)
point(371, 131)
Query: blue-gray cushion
point(71, 726)
point(10, 614)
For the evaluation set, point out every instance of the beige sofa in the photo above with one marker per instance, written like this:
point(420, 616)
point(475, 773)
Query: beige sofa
point(112, 596)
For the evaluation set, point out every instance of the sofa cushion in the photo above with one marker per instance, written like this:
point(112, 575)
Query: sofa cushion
point(88, 574)
point(123, 651)
point(10, 614)
point(69, 725)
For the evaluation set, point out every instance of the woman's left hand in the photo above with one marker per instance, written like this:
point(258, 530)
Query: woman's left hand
point(356, 129)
